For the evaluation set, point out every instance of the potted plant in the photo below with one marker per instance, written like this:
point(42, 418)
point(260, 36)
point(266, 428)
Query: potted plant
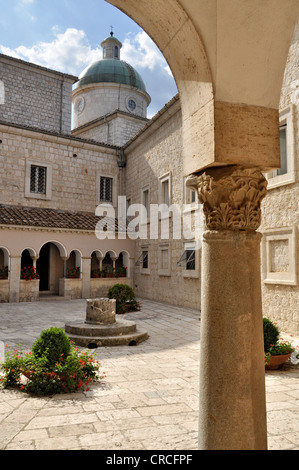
point(121, 272)
point(125, 298)
point(53, 366)
point(109, 271)
point(29, 273)
point(4, 273)
point(73, 273)
point(95, 273)
point(277, 351)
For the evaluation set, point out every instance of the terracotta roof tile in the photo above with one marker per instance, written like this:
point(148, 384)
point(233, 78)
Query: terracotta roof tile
point(52, 218)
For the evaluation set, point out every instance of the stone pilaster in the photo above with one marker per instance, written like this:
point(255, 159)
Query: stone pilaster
point(232, 373)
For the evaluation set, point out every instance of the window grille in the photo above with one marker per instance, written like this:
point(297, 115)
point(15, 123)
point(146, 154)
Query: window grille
point(106, 189)
point(187, 260)
point(38, 179)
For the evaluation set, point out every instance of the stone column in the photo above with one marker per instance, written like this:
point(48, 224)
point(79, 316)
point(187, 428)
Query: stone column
point(14, 278)
point(64, 258)
point(34, 259)
point(232, 409)
point(100, 259)
point(86, 262)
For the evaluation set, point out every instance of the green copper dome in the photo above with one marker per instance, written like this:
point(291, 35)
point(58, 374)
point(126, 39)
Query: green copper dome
point(112, 71)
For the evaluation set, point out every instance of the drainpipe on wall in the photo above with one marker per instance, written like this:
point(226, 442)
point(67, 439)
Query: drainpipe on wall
point(61, 103)
point(121, 164)
point(107, 129)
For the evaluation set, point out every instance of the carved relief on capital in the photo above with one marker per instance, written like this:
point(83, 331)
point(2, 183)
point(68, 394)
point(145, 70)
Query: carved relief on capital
point(231, 197)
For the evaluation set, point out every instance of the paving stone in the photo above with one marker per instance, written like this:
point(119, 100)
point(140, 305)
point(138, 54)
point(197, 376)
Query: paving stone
point(149, 399)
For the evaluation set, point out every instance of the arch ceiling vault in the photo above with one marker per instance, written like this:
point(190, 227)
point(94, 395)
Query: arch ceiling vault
point(228, 60)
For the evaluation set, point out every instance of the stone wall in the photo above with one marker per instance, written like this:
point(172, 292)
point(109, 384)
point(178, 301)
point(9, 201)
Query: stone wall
point(73, 169)
point(156, 155)
point(70, 288)
point(280, 222)
point(99, 286)
point(29, 291)
point(4, 290)
point(35, 96)
point(116, 129)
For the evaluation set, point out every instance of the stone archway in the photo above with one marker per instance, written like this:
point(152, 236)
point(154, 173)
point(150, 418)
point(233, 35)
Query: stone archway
point(49, 266)
point(228, 60)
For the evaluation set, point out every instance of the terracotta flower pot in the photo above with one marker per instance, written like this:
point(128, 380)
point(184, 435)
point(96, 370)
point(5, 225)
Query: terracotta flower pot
point(277, 361)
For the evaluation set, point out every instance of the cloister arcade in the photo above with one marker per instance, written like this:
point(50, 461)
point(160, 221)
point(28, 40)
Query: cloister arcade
point(52, 269)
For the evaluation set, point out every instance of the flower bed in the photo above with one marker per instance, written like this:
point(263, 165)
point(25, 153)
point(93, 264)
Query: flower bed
point(53, 366)
point(73, 273)
point(29, 273)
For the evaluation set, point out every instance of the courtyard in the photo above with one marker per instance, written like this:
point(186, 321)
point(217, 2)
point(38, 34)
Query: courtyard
point(149, 399)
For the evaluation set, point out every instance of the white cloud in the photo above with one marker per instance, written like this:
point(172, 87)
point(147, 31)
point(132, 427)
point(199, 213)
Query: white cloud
point(140, 51)
point(70, 52)
point(25, 2)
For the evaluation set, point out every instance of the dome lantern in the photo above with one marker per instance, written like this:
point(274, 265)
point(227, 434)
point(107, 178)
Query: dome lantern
point(111, 47)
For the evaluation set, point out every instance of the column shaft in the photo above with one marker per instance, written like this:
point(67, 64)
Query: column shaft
point(232, 371)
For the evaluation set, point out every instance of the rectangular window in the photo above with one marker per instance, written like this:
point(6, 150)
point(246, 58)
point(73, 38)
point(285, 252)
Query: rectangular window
point(38, 179)
point(286, 174)
point(283, 151)
point(164, 260)
point(190, 260)
point(165, 192)
point(145, 200)
point(144, 260)
point(106, 189)
point(187, 260)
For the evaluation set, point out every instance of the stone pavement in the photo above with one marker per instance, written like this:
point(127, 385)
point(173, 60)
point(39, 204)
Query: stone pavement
point(149, 400)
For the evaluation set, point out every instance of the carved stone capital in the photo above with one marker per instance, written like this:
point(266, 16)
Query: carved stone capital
point(231, 197)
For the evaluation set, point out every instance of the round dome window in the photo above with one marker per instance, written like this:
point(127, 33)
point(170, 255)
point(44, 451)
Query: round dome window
point(131, 104)
point(80, 105)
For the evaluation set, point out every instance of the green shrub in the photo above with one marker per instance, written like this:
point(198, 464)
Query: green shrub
point(125, 298)
point(51, 345)
point(72, 370)
point(271, 334)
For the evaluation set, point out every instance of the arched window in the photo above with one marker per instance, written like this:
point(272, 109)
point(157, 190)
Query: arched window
point(116, 52)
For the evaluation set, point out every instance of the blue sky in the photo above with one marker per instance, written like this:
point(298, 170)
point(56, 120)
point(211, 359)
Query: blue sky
point(65, 35)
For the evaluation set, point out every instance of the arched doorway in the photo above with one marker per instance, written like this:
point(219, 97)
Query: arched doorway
point(49, 266)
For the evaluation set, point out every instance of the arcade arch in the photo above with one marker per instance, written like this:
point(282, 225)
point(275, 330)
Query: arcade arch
point(4, 262)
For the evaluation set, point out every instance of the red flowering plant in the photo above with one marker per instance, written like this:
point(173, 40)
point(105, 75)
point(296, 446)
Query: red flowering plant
point(53, 366)
point(29, 273)
point(4, 273)
point(73, 273)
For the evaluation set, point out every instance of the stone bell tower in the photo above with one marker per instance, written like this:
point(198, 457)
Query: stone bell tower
point(110, 99)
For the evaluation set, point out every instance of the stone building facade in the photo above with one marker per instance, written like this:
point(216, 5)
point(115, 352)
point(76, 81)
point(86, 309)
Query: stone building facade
point(35, 96)
point(280, 223)
point(141, 160)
